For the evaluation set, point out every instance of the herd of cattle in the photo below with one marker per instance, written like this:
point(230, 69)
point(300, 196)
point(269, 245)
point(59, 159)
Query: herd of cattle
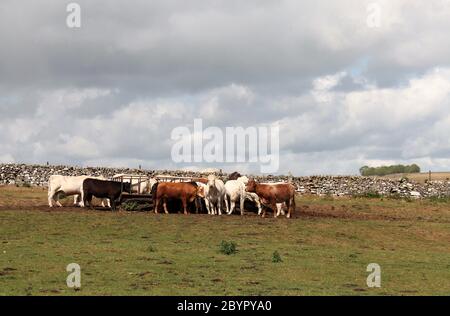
point(218, 196)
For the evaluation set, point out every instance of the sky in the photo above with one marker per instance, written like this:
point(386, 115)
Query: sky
point(349, 83)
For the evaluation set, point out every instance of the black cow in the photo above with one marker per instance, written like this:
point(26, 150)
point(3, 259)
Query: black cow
point(104, 189)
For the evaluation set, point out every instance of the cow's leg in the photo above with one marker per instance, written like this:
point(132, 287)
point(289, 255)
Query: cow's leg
point(227, 206)
point(291, 207)
point(197, 202)
point(57, 200)
point(155, 207)
point(211, 207)
point(273, 206)
point(282, 212)
point(89, 201)
point(51, 199)
point(219, 204)
point(113, 203)
point(184, 202)
point(241, 203)
point(53, 196)
point(214, 208)
point(207, 206)
point(232, 206)
point(76, 199)
point(288, 206)
point(82, 198)
point(279, 207)
point(106, 203)
point(165, 206)
point(258, 204)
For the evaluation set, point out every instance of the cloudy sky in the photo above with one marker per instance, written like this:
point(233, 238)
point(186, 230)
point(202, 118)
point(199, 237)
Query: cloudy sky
point(347, 86)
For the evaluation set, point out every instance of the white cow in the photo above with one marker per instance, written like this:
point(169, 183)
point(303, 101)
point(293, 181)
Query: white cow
point(203, 192)
point(235, 190)
point(215, 194)
point(251, 196)
point(69, 185)
point(141, 186)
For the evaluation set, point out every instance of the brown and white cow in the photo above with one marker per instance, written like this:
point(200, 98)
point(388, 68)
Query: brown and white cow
point(271, 194)
point(187, 192)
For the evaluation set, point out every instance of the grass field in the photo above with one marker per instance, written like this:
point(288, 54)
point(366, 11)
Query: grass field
point(421, 177)
point(325, 249)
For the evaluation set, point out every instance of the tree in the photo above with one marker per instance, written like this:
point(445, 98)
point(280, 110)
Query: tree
point(385, 170)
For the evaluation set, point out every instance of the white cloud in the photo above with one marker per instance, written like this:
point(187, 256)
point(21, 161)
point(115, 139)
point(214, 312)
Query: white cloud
point(345, 94)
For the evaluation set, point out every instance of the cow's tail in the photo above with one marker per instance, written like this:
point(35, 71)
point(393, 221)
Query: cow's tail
point(154, 190)
point(289, 179)
point(292, 204)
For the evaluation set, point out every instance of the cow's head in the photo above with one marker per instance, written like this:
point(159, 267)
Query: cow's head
point(234, 176)
point(211, 180)
point(201, 192)
point(126, 187)
point(251, 186)
point(243, 179)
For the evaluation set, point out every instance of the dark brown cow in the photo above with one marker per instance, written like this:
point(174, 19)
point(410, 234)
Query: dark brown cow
point(103, 189)
point(234, 176)
point(271, 194)
point(187, 192)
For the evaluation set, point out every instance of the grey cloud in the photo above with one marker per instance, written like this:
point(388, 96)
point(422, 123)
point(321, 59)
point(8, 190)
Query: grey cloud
point(159, 64)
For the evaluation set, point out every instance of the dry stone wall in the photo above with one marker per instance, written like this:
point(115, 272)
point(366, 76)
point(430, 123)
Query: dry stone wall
point(37, 175)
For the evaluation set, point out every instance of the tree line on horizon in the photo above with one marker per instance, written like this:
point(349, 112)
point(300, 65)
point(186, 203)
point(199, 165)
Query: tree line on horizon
point(386, 170)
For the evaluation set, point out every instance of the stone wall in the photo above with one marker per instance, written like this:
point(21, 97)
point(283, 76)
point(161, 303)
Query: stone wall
point(321, 185)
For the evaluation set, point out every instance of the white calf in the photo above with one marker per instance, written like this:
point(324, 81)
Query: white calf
point(141, 186)
point(251, 196)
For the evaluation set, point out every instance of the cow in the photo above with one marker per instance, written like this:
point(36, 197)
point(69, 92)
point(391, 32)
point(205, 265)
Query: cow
point(253, 197)
point(200, 180)
point(235, 190)
point(202, 192)
point(234, 176)
point(187, 192)
point(140, 185)
point(69, 185)
point(215, 194)
point(103, 189)
point(271, 194)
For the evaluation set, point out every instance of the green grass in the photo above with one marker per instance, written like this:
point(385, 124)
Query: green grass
point(138, 253)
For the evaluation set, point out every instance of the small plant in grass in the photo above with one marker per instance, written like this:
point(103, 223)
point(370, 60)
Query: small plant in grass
point(228, 247)
point(130, 206)
point(276, 257)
